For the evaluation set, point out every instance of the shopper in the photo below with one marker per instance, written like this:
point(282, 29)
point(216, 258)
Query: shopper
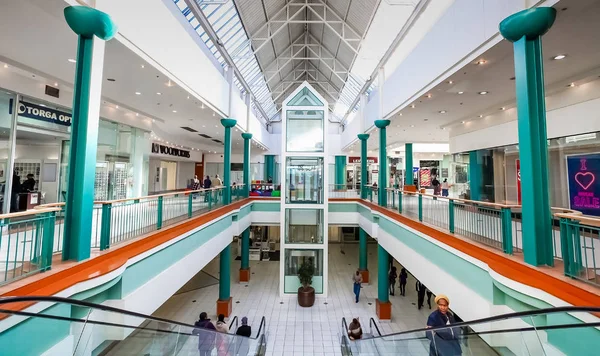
point(392, 278)
point(29, 184)
point(243, 345)
point(436, 186)
point(403, 278)
point(222, 340)
point(207, 183)
point(15, 190)
point(357, 279)
point(354, 330)
point(429, 294)
point(218, 181)
point(445, 187)
point(443, 342)
point(206, 338)
point(420, 294)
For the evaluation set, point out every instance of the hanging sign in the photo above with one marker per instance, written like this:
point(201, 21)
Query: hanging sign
point(356, 160)
point(166, 150)
point(38, 112)
point(584, 183)
point(519, 181)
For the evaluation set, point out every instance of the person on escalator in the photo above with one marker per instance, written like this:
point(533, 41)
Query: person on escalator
point(206, 338)
point(243, 343)
point(354, 330)
point(445, 341)
point(221, 340)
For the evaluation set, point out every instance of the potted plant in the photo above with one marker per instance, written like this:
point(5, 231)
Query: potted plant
point(306, 293)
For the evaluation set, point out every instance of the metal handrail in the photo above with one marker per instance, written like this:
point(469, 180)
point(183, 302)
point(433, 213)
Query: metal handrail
point(234, 320)
point(263, 322)
point(373, 323)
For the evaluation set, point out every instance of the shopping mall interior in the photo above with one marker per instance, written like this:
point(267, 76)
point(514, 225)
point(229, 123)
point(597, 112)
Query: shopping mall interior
point(299, 177)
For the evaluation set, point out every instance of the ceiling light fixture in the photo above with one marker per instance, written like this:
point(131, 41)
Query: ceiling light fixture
point(138, 93)
point(481, 61)
point(462, 122)
point(450, 82)
point(571, 85)
point(412, 106)
point(158, 93)
point(153, 120)
point(442, 111)
point(143, 66)
point(461, 92)
point(480, 116)
point(5, 65)
point(429, 96)
point(559, 57)
point(412, 125)
point(55, 84)
point(136, 114)
point(503, 108)
point(482, 92)
point(117, 106)
point(174, 111)
point(213, 113)
point(188, 97)
point(72, 60)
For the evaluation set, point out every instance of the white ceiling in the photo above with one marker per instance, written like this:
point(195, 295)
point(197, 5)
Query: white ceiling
point(45, 48)
point(574, 34)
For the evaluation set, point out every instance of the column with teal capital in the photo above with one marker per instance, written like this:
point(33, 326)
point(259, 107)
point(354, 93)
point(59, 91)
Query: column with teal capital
point(383, 178)
point(383, 306)
point(475, 175)
point(227, 124)
point(93, 28)
point(525, 29)
point(408, 164)
point(364, 174)
point(363, 255)
point(340, 172)
point(245, 257)
point(247, 137)
point(269, 168)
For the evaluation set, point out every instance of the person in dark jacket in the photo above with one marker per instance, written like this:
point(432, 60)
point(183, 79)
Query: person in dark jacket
point(403, 279)
point(429, 294)
point(29, 184)
point(443, 342)
point(206, 185)
point(243, 343)
point(15, 190)
point(392, 278)
point(420, 294)
point(206, 338)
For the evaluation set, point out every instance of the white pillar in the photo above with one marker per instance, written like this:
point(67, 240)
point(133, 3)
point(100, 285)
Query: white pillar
point(231, 84)
point(248, 111)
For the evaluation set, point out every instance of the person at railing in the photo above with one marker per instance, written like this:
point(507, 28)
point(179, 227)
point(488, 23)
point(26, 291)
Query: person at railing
point(207, 184)
point(445, 187)
point(357, 279)
point(403, 278)
point(354, 330)
point(206, 339)
point(443, 342)
point(221, 341)
point(392, 278)
point(436, 186)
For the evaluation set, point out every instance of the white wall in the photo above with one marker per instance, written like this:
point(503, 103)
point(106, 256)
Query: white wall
point(185, 172)
point(569, 112)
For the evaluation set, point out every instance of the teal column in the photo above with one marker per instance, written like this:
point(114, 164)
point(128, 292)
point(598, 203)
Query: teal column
point(227, 124)
point(247, 137)
point(475, 175)
point(86, 22)
point(525, 29)
point(383, 178)
point(362, 250)
point(269, 167)
point(363, 164)
point(245, 249)
point(225, 274)
point(383, 284)
point(340, 172)
point(408, 164)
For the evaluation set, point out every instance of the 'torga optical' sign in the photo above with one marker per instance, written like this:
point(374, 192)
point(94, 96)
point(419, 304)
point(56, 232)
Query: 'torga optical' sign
point(41, 113)
point(584, 184)
point(166, 150)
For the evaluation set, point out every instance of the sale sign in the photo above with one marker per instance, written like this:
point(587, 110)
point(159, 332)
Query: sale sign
point(584, 183)
point(425, 177)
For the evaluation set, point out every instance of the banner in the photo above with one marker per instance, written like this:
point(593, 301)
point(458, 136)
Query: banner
point(41, 113)
point(166, 150)
point(356, 160)
point(584, 183)
point(425, 177)
point(518, 181)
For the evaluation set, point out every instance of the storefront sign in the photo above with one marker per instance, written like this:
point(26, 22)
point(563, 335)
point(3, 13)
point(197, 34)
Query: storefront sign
point(166, 150)
point(584, 183)
point(356, 160)
point(425, 177)
point(519, 181)
point(41, 113)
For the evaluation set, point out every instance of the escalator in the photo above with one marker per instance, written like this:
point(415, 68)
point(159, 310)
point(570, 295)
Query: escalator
point(552, 331)
point(62, 326)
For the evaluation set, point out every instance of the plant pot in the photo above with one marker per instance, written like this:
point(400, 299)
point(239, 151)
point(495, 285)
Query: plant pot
point(306, 296)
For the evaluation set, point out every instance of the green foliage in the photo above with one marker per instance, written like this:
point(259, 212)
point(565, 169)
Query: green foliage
point(306, 272)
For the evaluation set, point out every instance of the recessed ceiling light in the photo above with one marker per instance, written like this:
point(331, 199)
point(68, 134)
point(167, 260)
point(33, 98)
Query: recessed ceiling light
point(213, 113)
point(462, 122)
point(480, 116)
point(158, 93)
point(153, 120)
point(5, 65)
point(43, 105)
point(142, 66)
point(461, 92)
point(138, 93)
point(503, 108)
point(443, 128)
point(571, 85)
point(429, 96)
point(442, 111)
point(412, 125)
point(450, 82)
point(136, 114)
point(481, 61)
point(559, 57)
point(202, 106)
point(400, 114)
point(188, 96)
point(483, 92)
point(117, 106)
point(412, 106)
point(55, 84)
point(72, 60)
point(174, 111)
point(203, 125)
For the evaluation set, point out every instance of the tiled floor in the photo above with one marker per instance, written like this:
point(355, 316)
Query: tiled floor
point(291, 329)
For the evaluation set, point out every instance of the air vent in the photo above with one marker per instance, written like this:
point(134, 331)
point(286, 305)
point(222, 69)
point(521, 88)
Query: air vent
point(51, 91)
point(218, 141)
point(189, 129)
point(205, 136)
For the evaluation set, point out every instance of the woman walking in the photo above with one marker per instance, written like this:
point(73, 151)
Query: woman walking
point(357, 279)
point(403, 279)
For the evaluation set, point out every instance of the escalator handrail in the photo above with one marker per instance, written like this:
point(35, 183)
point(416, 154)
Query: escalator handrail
point(234, 320)
point(263, 322)
point(371, 323)
point(566, 309)
point(81, 303)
